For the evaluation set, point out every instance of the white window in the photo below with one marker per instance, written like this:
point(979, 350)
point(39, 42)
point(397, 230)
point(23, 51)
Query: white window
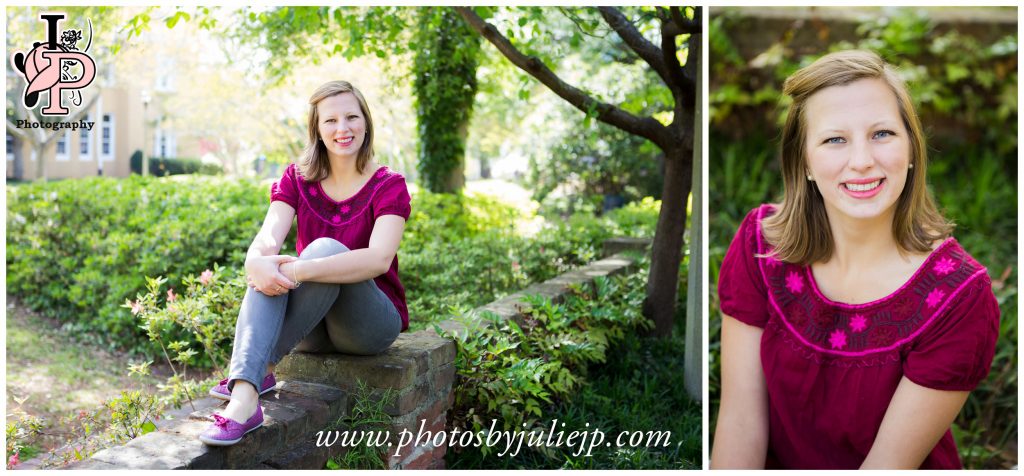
point(165, 143)
point(107, 137)
point(84, 143)
point(62, 147)
point(10, 147)
point(165, 75)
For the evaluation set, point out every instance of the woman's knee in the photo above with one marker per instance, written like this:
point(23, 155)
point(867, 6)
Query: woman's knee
point(323, 247)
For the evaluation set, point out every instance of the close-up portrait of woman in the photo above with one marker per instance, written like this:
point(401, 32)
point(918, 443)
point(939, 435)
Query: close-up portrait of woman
point(863, 317)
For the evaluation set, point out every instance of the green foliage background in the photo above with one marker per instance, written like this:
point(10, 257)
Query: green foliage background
point(78, 249)
point(965, 88)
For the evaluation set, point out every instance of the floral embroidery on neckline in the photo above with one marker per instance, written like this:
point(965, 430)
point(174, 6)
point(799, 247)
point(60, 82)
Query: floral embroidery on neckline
point(341, 212)
point(856, 330)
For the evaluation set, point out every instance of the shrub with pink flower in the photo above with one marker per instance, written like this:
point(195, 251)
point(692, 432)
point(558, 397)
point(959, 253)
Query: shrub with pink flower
point(206, 277)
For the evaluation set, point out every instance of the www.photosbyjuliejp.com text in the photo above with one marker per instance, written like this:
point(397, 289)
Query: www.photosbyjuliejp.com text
point(509, 442)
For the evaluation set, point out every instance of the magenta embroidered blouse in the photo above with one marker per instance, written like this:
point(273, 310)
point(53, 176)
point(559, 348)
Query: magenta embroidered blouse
point(349, 221)
point(831, 368)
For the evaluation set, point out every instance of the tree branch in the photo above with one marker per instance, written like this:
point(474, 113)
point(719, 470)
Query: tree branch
point(636, 41)
point(691, 27)
point(646, 127)
point(15, 131)
point(679, 78)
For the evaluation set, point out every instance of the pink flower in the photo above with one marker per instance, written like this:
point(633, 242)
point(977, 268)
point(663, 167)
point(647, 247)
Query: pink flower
point(13, 461)
point(345, 209)
point(837, 339)
point(945, 266)
point(82, 414)
point(206, 277)
point(136, 307)
point(336, 219)
point(312, 191)
point(935, 297)
point(794, 283)
point(515, 266)
point(772, 261)
point(858, 323)
point(171, 296)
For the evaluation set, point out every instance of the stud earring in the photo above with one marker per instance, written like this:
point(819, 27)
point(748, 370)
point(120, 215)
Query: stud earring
point(911, 165)
point(809, 178)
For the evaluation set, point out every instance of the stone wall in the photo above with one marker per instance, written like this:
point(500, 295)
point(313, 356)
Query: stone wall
point(314, 390)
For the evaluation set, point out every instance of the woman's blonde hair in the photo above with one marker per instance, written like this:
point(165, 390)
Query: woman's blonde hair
point(799, 230)
point(314, 165)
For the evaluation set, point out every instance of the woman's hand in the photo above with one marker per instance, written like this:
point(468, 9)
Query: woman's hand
point(264, 274)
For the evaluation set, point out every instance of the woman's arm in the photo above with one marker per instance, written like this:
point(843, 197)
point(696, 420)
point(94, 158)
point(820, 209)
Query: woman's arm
point(741, 435)
point(262, 261)
point(275, 229)
point(356, 265)
point(916, 419)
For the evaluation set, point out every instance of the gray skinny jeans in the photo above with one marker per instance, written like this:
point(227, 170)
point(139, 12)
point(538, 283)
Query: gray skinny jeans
point(355, 318)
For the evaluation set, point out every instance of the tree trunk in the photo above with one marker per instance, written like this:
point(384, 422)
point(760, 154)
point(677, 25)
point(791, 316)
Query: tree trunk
point(19, 163)
point(456, 179)
point(667, 251)
point(39, 148)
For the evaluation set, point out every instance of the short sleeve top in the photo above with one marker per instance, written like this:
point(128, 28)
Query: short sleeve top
point(349, 221)
point(831, 368)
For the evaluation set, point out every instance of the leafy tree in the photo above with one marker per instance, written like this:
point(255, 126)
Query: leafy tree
point(678, 27)
point(445, 85)
point(444, 57)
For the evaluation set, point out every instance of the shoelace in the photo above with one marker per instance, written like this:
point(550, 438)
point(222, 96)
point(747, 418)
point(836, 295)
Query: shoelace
point(220, 421)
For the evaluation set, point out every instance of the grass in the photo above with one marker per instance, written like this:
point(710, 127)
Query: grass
point(52, 376)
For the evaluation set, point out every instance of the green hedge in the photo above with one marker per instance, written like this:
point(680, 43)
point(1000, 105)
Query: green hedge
point(78, 249)
point(163, 166)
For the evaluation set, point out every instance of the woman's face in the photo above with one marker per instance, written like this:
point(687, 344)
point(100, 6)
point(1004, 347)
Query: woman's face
point(858, 150)
point(341, 124)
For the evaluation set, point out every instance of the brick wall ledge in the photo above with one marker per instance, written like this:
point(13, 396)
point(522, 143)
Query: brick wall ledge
point(314, 391)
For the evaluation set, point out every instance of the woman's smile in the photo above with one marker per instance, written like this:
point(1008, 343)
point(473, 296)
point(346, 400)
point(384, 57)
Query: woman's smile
point(863, 188)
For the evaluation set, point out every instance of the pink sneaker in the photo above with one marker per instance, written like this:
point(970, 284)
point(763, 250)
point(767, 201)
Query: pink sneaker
point(221, 389)
point(226, 432)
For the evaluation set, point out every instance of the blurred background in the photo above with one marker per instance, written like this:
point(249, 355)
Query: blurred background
point(961, 66)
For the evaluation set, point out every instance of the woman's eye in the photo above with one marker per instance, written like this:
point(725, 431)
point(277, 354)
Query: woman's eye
point(352, 118)
point(834, 140)
point(884, 134)
point(329, 120)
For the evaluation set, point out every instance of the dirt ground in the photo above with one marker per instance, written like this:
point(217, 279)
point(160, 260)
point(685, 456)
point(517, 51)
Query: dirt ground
point(51, 375)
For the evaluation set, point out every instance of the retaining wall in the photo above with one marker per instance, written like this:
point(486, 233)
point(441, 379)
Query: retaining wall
point(314, 390)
